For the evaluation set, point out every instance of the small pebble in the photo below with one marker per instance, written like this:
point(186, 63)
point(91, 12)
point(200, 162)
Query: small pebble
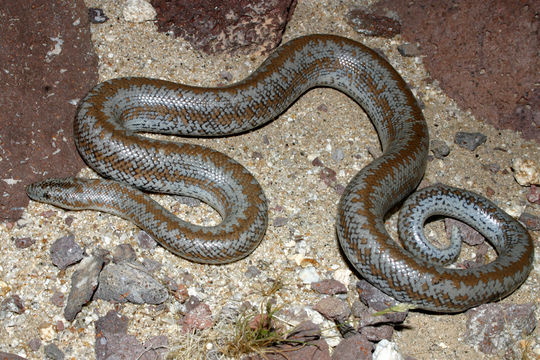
point(65, 251)
point(530, 221)
point(23, 243)
point(199, 318)
point(112, 323)
point(386, 350)
point(409, 50)
point(97, 16)
point(256, 155)
point(466, 233)
point(309, 275)
point(469, 141)
point(34, 344)
point(182, 293)
point(373, 25)
point(252, 272)
point(337, 155)
point(526, 171)
point(13, 304)
point(439, 148)
point(317, 162)
point(534, 195)
point(226, 75)
point(343, 276)
point(280, 221)
point(138, 11)
point(373, 297)
point(58, 298)
point(493, 167)
point(192, 302)
point(329, 287)
point(305, 331)
point(69, 220)
point(9, 356)
point(328, 176)
point(46, 332)
point(322, 108)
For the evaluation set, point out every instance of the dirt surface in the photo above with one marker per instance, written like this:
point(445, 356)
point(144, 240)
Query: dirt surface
point(280, 155)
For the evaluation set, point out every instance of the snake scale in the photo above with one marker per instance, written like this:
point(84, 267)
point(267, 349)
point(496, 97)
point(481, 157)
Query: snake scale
point(110, 117)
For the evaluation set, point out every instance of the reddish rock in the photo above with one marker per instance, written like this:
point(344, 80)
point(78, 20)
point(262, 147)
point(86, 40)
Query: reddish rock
point(329, 287)
point(466, 233)
point(48, 64)
point(370, 24)
point(354, 348)
point(8, 356)
point(199, 318)
point(486, 60)
point(333, 308)
point(226, 26)
point(531, 222)
point(495, 327)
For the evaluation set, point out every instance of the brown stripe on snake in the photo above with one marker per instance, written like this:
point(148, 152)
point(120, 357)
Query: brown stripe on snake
point(110, 117)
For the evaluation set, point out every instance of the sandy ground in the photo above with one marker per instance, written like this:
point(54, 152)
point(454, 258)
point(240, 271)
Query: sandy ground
point(291, 183)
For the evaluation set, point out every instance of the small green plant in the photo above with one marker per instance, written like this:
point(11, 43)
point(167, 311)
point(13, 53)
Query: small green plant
point(256, 333)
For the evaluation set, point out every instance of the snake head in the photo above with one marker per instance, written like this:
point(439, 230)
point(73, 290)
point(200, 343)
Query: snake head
point(65, 192)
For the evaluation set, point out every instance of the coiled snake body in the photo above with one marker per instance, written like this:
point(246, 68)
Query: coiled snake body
point(112, 113)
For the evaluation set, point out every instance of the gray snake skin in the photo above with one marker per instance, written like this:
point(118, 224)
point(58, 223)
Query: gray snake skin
point(112, 114)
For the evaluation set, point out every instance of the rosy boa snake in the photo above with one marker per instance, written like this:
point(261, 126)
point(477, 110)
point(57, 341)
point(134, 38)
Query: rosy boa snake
point(113, 112)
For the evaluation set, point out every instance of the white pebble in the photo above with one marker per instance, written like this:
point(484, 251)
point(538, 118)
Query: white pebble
point(526, 172)
point(343, 276)
point(331, 335)
point(309, 275)
point(47, 334)
point(138, 11)
point(386, 350)
point(314, 316)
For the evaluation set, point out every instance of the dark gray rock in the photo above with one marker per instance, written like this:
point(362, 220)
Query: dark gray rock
point(469, 141)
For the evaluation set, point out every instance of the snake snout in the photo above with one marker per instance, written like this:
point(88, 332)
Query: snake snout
point(52, 191)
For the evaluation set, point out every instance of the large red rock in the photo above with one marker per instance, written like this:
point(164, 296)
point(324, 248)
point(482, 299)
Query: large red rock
point(483, 53)
point(48, 64)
